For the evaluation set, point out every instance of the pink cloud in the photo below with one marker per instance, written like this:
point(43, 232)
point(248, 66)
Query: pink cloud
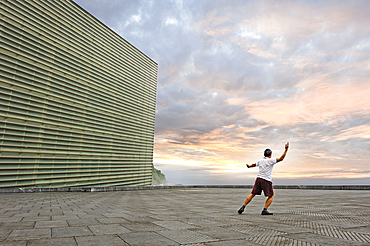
point(318, 102)
point(362, 131)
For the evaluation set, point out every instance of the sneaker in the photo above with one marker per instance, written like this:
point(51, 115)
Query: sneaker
point(265, 212)
point(241, 210)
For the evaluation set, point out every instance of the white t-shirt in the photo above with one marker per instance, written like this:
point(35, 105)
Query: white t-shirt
point(265, 168)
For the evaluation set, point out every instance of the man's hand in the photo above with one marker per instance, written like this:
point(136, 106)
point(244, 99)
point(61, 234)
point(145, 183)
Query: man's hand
point(284, 154)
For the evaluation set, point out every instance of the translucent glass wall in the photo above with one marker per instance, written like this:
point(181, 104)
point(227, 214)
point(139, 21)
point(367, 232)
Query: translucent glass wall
point(77, 101)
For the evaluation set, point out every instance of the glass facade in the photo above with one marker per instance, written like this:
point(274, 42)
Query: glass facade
point(77, 101)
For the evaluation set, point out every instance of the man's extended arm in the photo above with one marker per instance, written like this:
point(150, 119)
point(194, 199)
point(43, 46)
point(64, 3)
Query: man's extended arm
point(252, 165)
point(284, 154)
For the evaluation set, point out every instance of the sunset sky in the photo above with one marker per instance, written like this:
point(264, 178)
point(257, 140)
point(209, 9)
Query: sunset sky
point(236, 77)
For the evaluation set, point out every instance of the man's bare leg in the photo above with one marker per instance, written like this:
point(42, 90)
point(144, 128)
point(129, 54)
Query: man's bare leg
point(267, 205)
point(269, 201)
point(249, 198)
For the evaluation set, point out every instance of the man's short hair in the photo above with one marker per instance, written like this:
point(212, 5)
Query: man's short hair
point(268, 152)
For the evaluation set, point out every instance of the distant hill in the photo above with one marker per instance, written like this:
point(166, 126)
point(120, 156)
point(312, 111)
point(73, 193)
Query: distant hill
point(158, 177)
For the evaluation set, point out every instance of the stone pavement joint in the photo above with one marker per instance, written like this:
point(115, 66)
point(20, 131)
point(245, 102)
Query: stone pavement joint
point(185, 216)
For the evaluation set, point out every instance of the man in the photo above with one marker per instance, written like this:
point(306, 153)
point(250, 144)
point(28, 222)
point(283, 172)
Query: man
point(264, 179)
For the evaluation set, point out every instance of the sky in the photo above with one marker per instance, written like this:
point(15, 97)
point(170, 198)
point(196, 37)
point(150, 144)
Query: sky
point(236, 77)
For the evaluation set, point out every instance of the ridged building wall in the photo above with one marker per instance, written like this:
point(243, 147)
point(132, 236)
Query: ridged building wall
point(77, 101)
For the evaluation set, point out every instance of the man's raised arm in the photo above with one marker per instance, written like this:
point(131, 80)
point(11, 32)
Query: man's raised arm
point(284, 154)
point(252, 165)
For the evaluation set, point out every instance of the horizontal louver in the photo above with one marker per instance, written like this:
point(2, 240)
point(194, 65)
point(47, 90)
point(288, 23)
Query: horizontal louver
point(77, 101)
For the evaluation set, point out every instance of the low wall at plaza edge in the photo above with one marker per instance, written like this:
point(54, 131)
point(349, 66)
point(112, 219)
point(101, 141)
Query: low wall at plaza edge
point(130, 188)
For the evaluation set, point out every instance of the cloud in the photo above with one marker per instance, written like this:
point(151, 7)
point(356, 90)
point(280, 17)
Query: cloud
point(362, 131)
point(236, 77)
point(316, 101)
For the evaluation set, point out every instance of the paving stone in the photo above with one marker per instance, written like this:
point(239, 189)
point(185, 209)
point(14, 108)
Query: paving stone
point(337, 223)
point(138, 227)
point(174, 225)
point(146, 238)
point(186, 216)
point(234, 242)
point(186, 236)
point(82, 222)
point(108, 240)
point(108, 229)
point(279, 240)
point(11, 219)
point(282, 227)
point(143, 219)
point(89, 216)
point(62, 241)
point(342, 234)
point(49, 213)
point(161, 216)
point(4, 234)
point(254, 230)
point(14, 243)
point(221, 233)
point(35, 218)
point(224, 221)
point(113, 220)
point(201, 222)
point(315, 239)
point(64, 217)
point(51, 223)
point(71, 231)
point(30, 233)
point(360, 229)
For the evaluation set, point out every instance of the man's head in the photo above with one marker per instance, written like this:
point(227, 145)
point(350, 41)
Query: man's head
point(267, 153)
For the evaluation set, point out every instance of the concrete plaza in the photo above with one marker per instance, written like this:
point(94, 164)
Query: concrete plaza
point(186, 216)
